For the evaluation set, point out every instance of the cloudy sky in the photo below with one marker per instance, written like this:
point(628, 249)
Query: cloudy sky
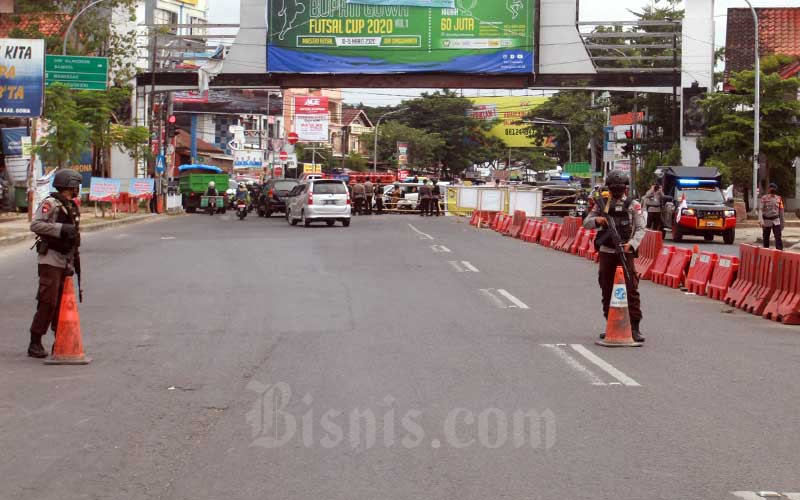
point(227, 11)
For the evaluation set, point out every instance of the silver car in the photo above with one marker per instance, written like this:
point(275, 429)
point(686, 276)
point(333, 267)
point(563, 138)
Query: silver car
point(319, 200)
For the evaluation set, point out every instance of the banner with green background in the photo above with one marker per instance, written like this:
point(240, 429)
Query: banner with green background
point(334, 36)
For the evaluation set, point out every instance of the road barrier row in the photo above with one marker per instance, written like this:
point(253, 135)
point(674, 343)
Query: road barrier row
point(761, 281)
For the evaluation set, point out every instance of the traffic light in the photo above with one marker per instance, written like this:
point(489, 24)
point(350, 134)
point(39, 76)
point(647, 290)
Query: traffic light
point(172, 129)
point(627, 150)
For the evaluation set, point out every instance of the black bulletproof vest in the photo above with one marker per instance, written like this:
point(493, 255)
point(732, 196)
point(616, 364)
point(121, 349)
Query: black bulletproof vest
point(63, 245)
point(619, 211)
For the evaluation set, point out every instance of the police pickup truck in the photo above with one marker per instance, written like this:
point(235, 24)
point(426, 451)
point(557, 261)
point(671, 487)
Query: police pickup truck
point(695, 203)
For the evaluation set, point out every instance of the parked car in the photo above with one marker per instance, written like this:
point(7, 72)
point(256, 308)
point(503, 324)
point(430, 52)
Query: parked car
point(321, 200)
point(273, 196)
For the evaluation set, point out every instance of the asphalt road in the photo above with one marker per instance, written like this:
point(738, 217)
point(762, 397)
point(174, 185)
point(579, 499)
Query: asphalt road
point(245, 360)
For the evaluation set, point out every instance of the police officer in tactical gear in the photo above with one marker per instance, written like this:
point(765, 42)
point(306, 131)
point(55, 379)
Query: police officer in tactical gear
point(56, 225)
point(627, 215)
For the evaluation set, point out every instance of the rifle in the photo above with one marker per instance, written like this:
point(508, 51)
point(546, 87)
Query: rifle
point(77, 261)
point(613, 233)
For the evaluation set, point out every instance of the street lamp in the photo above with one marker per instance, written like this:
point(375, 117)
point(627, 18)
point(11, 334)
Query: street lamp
point(757, 111)
point(544, 121)
point(71, 23)
point(378, 124)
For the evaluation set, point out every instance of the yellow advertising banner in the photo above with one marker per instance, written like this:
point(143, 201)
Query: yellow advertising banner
point(509, 110)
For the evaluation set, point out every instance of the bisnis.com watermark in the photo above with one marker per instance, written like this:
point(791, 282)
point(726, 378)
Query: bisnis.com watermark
point(273, 426)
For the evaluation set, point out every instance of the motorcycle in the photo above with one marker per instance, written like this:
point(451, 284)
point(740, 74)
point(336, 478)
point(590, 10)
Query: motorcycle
point(241, 209)
point(581, 209)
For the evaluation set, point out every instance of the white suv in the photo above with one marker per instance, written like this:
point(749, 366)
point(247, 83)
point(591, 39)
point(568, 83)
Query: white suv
point(319, 200)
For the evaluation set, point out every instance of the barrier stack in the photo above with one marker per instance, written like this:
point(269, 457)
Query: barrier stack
point(765, 283)
point(745, 280)
point(517, 222)
point(662, 262)
point(648, 253)
point(785, 304)
point(498, 216)
point(675, 274)
point(701, 272)
point(582, 232)
point(724, 273)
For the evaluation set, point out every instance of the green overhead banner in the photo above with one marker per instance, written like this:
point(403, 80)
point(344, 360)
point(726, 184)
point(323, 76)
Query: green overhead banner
point(400, 36)
point(416, 3)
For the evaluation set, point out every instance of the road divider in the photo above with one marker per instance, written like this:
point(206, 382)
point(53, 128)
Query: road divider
point(649, 251)
point(675, 274)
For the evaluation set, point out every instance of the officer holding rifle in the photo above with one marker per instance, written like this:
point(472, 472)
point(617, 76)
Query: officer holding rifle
point(621, 227)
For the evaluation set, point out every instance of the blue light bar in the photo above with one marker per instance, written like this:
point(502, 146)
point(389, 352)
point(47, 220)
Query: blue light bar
point(695, 182)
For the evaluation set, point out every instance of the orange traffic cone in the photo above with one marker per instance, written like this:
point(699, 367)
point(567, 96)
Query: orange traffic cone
point(618, 328)
point(68, 348)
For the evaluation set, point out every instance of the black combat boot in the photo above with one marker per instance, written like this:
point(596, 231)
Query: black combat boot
point(637, 335)
point(36, 349)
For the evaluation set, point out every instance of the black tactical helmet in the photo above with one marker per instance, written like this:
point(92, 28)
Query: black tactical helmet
point(617, 178)
point(67, 178)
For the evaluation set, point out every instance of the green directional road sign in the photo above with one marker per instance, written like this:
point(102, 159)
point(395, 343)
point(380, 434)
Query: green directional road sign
point(78, 72)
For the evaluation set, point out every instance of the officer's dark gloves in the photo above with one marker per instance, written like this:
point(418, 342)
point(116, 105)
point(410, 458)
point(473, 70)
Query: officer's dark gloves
point(68, 231)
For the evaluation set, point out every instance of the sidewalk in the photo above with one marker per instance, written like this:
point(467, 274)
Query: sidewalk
point(14, 228)
point(791, 237)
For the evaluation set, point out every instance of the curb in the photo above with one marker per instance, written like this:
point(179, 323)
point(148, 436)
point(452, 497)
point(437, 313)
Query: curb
point(28, 236)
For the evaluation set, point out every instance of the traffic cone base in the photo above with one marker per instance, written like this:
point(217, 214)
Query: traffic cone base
point(618, 327)
point(68, 347)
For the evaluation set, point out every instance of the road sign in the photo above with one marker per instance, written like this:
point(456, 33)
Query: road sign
point(77, 72)
point(284, 156)
point(293, 137)
point(160, 163)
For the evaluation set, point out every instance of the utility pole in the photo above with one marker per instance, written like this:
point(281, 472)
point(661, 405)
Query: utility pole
point(756, 111)
point(377, 126)
point(633, 150)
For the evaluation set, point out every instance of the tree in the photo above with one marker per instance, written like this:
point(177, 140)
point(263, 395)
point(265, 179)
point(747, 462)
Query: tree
point(730, 117)
point(447, 114)
point(573, 107)
point(67, 136)
point(356, 162)
point(423, 146)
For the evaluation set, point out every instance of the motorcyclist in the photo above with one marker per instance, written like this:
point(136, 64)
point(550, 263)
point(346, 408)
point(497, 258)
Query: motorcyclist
point(243, 194)
point(212, 189)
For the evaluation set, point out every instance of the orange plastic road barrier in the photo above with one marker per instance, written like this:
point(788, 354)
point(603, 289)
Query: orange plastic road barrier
point(476, 218)
point(618, 326)
point(588, 241)
point(527, 229)
point(486, 218)
point(556, 234)
point(724, 273)
point(567, 228)
point(537, 231)
point(504, 224)
point(569, 232)
point(765, 285)
point(662, 262)
point(675, 274)
point(548, 234)
point(498, 216)
point(591, 252)
point(68, 348)
point(700, 273)
point(745, 279)
point(648, 253)
point(785, 304)
point(519, 220)
point(582, 232)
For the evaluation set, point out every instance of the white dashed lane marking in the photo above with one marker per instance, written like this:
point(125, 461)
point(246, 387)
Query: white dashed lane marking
point(422, 236)
point(502, 299)
point(575, 364)
point(463, 266)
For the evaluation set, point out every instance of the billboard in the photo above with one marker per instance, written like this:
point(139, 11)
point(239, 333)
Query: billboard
point(311, 118)
point(380, 36)
point(509, 110)
point(21, 77)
